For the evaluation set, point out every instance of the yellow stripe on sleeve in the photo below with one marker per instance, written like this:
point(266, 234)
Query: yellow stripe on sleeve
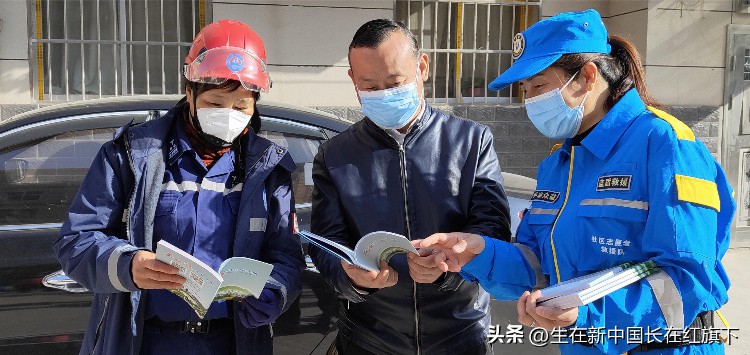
point(698, 191)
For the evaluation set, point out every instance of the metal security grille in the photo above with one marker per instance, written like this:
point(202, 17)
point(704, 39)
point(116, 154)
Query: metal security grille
point(82, 49)
point(469, 44)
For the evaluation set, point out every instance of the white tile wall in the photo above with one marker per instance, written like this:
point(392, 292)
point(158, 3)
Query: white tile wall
point(632, 25)
point(14, 82)
point(690, 5)
point(307, 45)
point(553, 7)
point(686, 86)
point(619, 7)
point(298, 35)
point(312, 86)
point(682, 38)
point(383, 4)
point(13, 30)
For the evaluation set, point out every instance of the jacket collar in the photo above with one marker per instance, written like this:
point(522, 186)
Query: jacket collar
point(416, 127)
point(178, 144)
point(148, 138)
point(610, 129)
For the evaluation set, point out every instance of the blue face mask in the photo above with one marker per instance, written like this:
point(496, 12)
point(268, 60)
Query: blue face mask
point(552, 116)
point(391, 108)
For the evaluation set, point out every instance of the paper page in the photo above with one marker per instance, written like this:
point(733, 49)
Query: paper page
point(380, 246)
point(243, 277)
point(578, 283)
point(329, 246)
point(604, 287)
point(201, 282)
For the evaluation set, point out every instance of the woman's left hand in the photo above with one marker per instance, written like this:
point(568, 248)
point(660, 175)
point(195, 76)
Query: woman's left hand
point(529, 314)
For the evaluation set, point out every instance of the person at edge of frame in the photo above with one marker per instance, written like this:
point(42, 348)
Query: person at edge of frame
point(629, 183)
point(201, 179)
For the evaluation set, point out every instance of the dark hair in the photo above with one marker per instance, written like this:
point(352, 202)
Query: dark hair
point(228, 86)
point(622, 69)
point(374, 32)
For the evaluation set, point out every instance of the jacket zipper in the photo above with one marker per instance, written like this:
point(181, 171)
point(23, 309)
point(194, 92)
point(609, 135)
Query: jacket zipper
point(565, 202)
point(402, 156)
point(132, 192)
point(99, 326)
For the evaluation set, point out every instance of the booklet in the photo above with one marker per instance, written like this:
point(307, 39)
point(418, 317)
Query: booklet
point(585, 289)
point(369, 251)
point(237, 277)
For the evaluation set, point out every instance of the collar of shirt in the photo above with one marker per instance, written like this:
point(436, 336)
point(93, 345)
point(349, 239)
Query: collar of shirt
point(180, 145)
point(608, 131)
point(398, 136)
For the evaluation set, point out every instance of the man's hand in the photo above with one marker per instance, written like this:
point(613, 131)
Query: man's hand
point(149, 273)
point(422, 267)
point(530, 314)
point(456, 249)
point(362, 278)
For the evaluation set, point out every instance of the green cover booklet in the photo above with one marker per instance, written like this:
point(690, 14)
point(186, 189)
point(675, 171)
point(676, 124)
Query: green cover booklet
point(236, 278)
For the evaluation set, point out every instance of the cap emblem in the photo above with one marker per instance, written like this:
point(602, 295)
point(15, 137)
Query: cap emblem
point(519, 44)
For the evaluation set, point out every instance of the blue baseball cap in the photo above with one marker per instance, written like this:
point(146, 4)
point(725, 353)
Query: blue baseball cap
point(546, 41)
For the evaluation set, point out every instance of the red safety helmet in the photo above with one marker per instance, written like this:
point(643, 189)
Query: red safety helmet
point(226, 50)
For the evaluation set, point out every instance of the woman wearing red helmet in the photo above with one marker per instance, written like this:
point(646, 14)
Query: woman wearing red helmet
point(200, 179)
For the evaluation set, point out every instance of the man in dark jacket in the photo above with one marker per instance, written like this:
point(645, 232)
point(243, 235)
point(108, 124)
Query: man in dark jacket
point(413, 170)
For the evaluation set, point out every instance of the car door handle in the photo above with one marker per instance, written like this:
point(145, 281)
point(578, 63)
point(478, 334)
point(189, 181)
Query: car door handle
point(58, 280)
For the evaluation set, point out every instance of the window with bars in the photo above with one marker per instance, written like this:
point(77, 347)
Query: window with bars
point(84, 49)
point(468, 43)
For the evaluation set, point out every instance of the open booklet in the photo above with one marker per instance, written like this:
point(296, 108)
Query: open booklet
point(237, 277)
point(585, 289)
point(369, 251)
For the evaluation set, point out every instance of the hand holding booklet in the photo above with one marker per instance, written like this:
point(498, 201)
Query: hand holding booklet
point(237, 277)
point(585, 289)
point(369, 251)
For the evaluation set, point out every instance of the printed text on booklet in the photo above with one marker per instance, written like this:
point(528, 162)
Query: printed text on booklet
point(237, 277)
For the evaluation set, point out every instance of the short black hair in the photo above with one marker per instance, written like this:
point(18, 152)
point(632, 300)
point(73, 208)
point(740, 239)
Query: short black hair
point(374, 32)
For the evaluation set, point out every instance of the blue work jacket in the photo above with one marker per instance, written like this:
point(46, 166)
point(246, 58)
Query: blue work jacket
point(639, 187)
point(197, 212)
point(113, 216)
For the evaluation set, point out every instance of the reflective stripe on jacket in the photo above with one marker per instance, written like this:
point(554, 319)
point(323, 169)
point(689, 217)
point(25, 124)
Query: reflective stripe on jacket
point(640, 186)
point(113, 214)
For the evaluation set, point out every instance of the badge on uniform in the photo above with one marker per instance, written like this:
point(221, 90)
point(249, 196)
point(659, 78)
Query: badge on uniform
point(614, 182)
point(545, 196)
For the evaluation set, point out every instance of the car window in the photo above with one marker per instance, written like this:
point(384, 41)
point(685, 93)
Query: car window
point(303, 150)
point(39, 180)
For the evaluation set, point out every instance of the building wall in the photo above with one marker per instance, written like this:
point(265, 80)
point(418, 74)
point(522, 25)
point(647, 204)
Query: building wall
point(686, 51)
point(14, 53)
point(307, 43)
point(307, 40)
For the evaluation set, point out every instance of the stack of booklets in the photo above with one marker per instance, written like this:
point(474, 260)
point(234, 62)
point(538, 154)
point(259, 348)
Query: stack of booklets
point(585, 289)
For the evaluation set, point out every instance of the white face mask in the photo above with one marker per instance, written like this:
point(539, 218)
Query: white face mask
point(223, 123)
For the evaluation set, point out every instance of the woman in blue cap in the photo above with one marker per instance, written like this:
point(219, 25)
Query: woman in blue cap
point(630, 183)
